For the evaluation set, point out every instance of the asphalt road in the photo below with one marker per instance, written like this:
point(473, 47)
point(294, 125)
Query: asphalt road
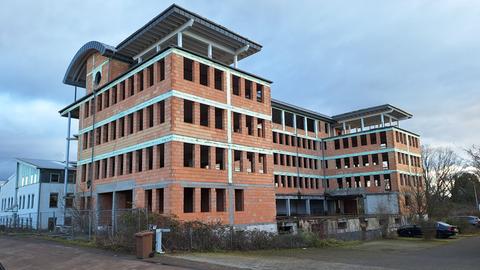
point(388, 254)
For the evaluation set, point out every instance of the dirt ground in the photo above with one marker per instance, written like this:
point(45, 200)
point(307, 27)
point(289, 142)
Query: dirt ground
point(461, 253)
point(18, 253)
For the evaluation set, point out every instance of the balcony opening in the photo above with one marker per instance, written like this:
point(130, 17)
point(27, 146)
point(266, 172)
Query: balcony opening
point(249, 124)
point(300, 122)
point(219, 158)
point(366, 179)
point(204, 114)
point(188, 111)
point(150, 158)
point(188, 69)
point(140, 120)
point(236, 123)
point(239, 200)
point(236, 85)
point(260, 128)
point(204, 70)
point(237, 160)
point(373, 138)
point(375, 159)
point(276, 116)
point(204, 156)
point(354, 141)
point(218, 118)
point(161, 112)
point(161, 69)
point(310, 125)
point(161, 155)
point(188, 155)
point(218, 79)
point(259, 92)
point(251, 162)
point(363, 140)
point(131, 86)
point(188, 200)
point(139, 160)
point(150, 75)
point(365, 162)
point(262, 158)
point(205, 200)
point(139, 81)
point(130, 162)
point(150, 116)
point(248, 89)
point(220, 193)
point(345, 143)
point(340, 182)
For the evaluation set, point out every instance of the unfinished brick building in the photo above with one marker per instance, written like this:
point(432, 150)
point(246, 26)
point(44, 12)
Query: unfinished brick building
point(170, 124)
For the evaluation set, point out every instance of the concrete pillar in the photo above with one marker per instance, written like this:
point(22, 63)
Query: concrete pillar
point(114, 207)
point(283, 120)
point(382, 119)
point(179, 39)
point(305, 125)
point(362, 124)
point(210, 51)
point(344, 128)
point(295, 122)
point(155, 158)
point(289, 212)
point(154, 201)
point(307, 207)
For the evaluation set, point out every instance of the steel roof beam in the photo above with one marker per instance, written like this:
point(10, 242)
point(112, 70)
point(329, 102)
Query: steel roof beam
point(170, 35)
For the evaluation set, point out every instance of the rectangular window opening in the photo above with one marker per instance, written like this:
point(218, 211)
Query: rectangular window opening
point(239, 200)
point(204, 114)
point(188, 200)
point(188, 111)
point(188, 155)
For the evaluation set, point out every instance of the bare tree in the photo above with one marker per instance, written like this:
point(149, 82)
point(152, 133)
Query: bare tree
point(474, 154)
point(440, 166)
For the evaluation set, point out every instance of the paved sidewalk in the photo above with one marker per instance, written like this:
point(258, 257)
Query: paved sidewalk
point(18, 253)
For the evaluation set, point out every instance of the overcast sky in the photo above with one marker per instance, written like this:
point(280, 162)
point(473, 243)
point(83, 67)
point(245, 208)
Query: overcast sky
point(328, 56)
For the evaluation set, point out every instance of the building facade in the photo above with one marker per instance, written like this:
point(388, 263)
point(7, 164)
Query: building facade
point(170, 124)
point(33, 197)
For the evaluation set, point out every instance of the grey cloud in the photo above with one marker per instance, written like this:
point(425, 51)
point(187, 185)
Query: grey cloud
point(340, 55)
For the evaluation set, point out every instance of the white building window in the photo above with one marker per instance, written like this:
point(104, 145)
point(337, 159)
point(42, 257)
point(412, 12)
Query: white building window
point(53, 203)
point(54, 177)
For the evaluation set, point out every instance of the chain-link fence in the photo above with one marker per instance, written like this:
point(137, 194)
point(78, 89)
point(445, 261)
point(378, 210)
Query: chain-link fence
point(115, 229)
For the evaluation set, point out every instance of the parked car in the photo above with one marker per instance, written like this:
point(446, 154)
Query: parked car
point(445, 230)
point(409, 231)
point(473, 220)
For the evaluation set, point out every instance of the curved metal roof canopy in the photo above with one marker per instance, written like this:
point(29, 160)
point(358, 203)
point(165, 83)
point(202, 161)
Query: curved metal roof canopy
point(76, 71)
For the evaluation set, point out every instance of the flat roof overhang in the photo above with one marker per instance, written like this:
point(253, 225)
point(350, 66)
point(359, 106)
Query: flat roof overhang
point(196, 38)
point(175, 17)
point(277, 104)
point(386, 109)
